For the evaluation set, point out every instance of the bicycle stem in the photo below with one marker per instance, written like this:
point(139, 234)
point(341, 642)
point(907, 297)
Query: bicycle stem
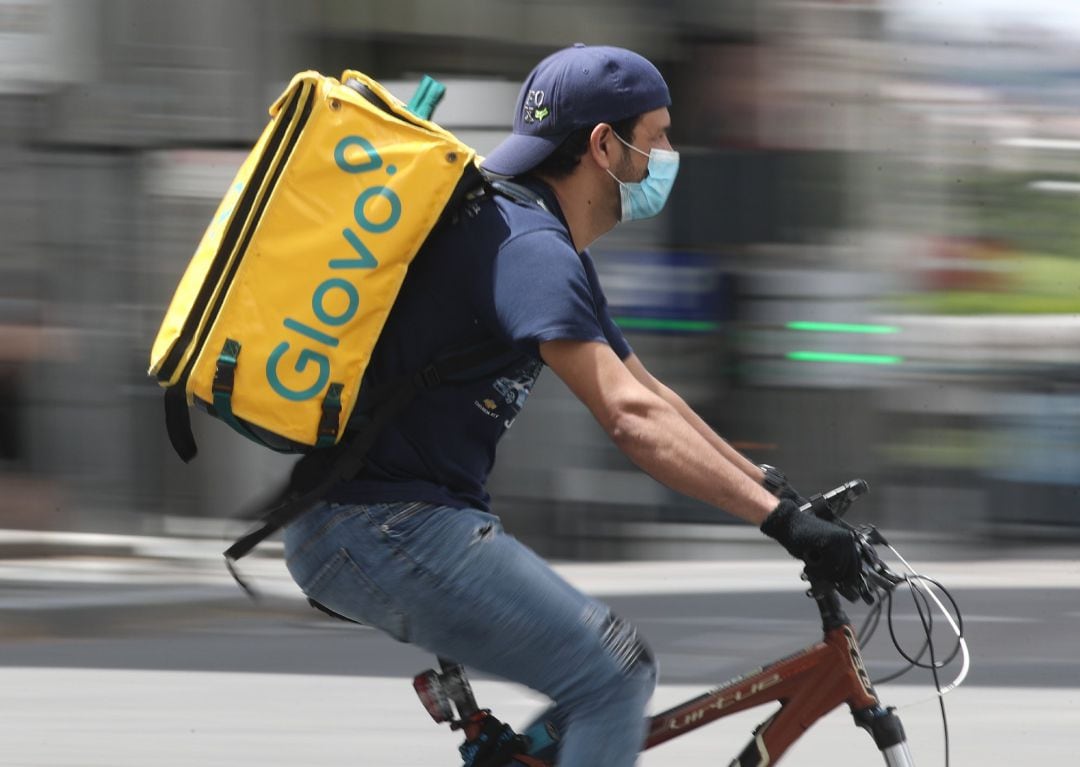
point(828, 604)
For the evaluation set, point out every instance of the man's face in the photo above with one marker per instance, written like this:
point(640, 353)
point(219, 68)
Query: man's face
point(650, 132)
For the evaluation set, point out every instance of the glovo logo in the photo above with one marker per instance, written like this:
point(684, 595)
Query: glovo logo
point(316, 334)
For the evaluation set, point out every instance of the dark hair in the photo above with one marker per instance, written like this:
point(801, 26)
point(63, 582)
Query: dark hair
point(566, 157)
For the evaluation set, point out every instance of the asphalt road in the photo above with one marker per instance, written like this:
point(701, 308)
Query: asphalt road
point(1019, 637)
point(180, 671)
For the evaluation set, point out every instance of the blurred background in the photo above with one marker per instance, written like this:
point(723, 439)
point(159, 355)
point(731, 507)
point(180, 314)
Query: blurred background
point(870, 265)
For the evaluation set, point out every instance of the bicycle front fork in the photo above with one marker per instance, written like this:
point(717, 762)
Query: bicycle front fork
point(884, 726)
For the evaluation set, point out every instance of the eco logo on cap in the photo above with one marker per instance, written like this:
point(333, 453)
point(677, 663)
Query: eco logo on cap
point(534, 110)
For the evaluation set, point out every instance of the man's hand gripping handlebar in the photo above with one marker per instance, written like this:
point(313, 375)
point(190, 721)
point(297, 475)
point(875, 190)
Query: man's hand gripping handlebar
point(836, 554)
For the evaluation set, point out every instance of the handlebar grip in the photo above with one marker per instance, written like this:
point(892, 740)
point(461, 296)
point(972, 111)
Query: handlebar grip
point(834, 504)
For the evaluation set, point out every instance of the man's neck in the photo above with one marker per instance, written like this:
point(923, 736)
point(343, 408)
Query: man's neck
point(581, 206)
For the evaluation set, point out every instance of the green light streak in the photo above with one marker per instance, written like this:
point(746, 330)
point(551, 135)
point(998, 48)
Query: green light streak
point(657, 323)
point(851, 359)
point(841, 327)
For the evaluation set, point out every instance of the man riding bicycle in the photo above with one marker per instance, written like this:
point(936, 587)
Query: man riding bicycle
point(410, 545)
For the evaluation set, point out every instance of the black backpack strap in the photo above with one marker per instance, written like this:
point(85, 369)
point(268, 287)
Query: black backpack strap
point(517, 192)
point(178, 421)
point(464, 360)
point(390, 400)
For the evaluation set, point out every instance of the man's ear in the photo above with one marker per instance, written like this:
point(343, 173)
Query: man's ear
point(602, 145)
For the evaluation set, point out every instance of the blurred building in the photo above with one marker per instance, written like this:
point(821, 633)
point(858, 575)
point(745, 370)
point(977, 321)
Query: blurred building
point(860, 273)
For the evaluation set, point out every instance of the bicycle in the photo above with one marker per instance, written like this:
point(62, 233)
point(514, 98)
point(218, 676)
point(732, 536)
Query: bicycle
point(807, 684)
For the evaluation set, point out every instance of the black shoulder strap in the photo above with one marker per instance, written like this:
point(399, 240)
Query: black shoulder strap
point(178, 422)
point(386, 404)
point(517, 192)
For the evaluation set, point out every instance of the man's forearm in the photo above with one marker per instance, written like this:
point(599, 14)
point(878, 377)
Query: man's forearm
point(664, 443)
point(717, 442)
point(652, 431)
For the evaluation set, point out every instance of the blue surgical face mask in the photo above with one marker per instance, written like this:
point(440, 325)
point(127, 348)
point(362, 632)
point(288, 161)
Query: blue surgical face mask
point(646, 198)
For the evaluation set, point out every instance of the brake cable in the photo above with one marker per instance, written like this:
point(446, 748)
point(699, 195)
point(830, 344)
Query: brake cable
point(922, 591)
point(918, 582)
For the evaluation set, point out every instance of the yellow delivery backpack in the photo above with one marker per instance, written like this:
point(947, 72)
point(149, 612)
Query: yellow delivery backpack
point(274, 321)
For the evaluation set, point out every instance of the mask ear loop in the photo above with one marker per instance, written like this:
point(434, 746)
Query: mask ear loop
point(630, 146)
point(622, 184)
point(647, 155)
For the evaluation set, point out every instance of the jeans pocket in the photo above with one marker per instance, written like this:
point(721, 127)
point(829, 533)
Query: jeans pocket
point(305, 536)
point(342, 585)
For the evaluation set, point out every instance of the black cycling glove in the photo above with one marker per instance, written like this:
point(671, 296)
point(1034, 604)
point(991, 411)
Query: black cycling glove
point(776, 482)
point(829, 550)
point(789, 493)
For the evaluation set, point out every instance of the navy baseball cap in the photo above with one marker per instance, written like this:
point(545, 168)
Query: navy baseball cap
point(577, 87)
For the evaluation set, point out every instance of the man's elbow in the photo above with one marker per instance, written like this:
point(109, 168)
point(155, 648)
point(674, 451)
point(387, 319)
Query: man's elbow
point(627, 419)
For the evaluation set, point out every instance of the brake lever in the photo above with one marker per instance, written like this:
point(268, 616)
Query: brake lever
point(875, 568)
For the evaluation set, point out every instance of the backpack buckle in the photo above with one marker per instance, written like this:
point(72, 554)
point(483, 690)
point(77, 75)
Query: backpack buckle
point(225, 369)
point(224, 377)
point(330, 416)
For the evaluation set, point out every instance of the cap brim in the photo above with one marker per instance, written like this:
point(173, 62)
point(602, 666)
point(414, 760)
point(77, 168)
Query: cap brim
point(518, 154)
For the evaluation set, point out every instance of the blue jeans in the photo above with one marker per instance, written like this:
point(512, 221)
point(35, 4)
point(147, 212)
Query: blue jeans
point(451, 581)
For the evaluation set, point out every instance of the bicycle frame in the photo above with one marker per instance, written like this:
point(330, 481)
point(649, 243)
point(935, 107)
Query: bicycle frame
point(808, 685)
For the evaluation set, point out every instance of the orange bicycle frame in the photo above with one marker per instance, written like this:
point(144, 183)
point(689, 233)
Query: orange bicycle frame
point(808, 685)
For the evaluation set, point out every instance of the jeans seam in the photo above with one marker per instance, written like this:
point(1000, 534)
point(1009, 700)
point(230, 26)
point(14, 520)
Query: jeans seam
point(410, 511)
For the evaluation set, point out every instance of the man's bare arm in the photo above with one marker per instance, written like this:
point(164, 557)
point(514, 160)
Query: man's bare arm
point(669, 395)
point(653, 433)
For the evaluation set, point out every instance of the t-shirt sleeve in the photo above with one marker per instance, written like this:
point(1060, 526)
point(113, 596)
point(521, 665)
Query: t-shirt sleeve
point(612, 332)
point(542, 292)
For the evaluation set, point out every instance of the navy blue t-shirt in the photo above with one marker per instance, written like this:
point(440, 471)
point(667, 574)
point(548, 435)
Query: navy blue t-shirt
point(505, 270)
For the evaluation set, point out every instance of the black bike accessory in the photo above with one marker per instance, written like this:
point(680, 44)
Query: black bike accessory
point(835, 503)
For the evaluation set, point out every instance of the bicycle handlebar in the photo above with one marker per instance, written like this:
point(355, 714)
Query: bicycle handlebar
point(874, 575)
point(835, 503)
